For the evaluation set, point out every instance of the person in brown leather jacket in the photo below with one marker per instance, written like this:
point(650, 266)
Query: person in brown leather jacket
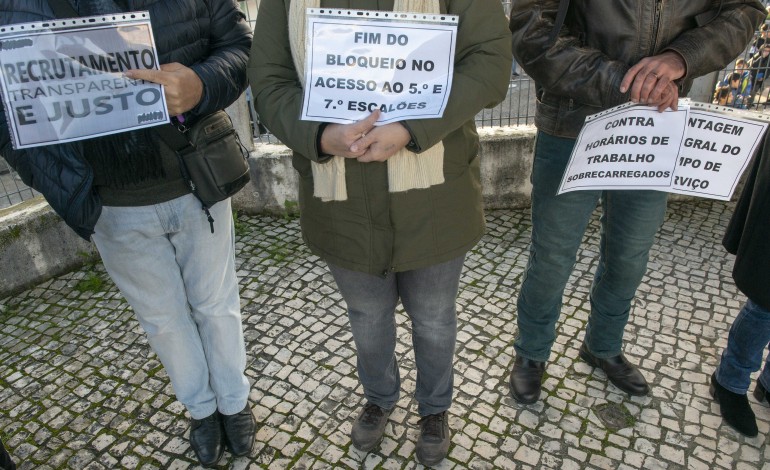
point(605, 54)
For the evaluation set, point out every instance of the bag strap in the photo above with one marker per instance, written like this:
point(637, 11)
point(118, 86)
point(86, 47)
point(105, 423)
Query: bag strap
point(561, 15)
point(62, 9)
point(173, 137)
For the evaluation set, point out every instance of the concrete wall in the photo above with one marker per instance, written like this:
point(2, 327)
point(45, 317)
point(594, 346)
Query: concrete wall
point(36, 245)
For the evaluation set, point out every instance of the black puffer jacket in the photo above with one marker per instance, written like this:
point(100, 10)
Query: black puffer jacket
point(580, 72)
point(209, 36)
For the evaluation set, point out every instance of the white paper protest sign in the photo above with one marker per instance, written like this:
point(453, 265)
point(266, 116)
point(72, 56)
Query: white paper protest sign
point(625, 148)
point(688, 151)
point(63, 80)
point(715, 152)
point(361, 61)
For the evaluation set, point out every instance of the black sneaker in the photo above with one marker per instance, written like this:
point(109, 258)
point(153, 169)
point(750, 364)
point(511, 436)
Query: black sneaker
point(369, 427)
point(240, 430)
point(207, 439)
point(433, 443)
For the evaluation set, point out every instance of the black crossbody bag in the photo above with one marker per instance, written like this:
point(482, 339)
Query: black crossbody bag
point(213, 162)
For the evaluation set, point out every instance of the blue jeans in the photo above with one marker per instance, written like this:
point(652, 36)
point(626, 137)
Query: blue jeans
point(428, 296)
point(629, 222)
point(180, 280)
point(746, 342)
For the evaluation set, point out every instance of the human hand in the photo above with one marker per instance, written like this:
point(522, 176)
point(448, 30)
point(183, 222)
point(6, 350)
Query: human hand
point(669, 98)
point(650, 80)
point(183, 87)
point(381, 142)
point(337, 139)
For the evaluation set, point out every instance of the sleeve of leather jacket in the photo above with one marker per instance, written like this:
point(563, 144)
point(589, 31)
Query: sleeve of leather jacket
point(714, 44)
point(482, 70)
point(705, 48)
point(555, 66)
point(223, 72)
point(274, 82)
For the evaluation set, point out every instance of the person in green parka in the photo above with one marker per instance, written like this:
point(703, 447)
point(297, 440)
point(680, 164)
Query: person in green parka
point(392, 208)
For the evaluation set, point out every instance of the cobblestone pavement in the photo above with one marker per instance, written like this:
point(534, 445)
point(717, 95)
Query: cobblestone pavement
point(80, 388)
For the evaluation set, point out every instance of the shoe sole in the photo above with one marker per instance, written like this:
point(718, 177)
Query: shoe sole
point(520, 400)
point(367, 448)
point(430, 463)
point(242, 454)
point(761, 395)
point(589, 360)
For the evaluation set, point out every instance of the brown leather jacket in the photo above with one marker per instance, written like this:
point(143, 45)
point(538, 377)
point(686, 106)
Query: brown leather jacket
point(580, 72)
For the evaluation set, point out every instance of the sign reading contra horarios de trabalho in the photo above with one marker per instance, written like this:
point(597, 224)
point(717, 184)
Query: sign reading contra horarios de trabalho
point(700, 150)
point(361, 61)
point(63, 80)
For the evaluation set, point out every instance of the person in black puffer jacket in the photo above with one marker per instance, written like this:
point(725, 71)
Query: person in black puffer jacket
point(125, 191)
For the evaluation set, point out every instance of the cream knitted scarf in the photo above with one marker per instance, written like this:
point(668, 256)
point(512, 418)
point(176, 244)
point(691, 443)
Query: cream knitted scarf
point(406, 170)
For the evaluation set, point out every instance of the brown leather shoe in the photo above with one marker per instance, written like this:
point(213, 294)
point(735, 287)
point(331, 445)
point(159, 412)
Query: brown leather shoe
point(526, 380)
point(621, 373)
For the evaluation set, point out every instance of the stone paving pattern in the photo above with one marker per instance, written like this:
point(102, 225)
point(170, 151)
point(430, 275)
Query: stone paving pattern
point(80, 388)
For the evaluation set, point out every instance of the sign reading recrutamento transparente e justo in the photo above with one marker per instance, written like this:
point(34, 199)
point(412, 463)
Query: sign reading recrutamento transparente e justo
point(63, 80)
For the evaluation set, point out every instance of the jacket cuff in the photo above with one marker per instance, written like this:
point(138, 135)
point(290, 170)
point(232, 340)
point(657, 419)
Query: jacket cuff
point(412, 145)
point(322, 157)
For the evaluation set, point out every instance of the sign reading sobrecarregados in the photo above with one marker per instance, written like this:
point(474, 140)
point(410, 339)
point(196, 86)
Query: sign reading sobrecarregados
point(362, 61)
point(63, 80)
point(699, 149)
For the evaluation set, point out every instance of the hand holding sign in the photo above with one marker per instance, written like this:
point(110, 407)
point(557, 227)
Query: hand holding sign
point(650, 80)
point(183, 87)
point(338, 139)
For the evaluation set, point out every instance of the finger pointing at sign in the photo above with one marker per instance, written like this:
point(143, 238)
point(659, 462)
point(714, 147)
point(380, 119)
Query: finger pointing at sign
point(182, 85)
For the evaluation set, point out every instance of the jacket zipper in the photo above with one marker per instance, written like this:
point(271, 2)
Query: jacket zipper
point(656, 25)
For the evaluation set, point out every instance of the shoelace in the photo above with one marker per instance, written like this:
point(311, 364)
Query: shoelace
point(372, 414)
point(433, 425)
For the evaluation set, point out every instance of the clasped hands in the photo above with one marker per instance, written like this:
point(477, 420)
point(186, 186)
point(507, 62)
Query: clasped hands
point(651, 80)
point(363, 140)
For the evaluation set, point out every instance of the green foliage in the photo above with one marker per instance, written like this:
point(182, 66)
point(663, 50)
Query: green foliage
point(241, 227)
point(91, 283)
point(291, 209)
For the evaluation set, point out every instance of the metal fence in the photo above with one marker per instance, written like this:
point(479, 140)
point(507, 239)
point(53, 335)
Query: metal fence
point(517, 109)
point(752, 87)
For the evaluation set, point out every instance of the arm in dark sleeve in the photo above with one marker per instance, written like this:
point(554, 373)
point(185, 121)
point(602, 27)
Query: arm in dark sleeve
point(482, 71)
point(556, 66)
point(275, 84)
point(721, 39)
point(223, 72)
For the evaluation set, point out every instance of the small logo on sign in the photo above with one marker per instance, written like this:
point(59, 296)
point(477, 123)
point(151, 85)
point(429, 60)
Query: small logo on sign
point(149, 117)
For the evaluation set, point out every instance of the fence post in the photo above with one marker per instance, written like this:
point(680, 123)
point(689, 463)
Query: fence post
point(703, 87)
